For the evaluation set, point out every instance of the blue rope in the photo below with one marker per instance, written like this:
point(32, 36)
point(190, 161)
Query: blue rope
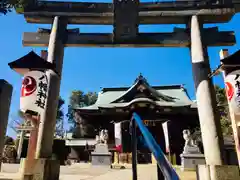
point(166, 168)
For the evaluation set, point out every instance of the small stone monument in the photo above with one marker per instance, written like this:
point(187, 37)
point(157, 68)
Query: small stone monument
point(191, 155)
point(101, 155)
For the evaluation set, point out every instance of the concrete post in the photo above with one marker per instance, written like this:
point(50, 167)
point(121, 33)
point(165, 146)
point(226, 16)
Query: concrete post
point(20, 144)
point(5, 100)
point(33, 137)
point(30, 163)
point(48, 117)
point(206, 99)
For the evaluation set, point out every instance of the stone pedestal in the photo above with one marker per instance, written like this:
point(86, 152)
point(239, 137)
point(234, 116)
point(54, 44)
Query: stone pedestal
point(101, 156)
point(39, 169)
point(191, 157)
point(20, 144)
point(218, 172)
point(190, 161)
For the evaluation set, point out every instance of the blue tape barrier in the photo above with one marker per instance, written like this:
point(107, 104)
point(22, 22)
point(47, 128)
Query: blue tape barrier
point(163, 163)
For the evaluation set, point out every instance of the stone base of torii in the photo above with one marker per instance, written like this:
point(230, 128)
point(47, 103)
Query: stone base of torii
point(39, 169)
point(32, 168)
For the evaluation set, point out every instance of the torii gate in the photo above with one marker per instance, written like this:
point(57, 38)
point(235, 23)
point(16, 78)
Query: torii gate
point(126, 17)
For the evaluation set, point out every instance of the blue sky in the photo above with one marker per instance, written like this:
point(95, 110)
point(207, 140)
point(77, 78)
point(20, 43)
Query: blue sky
point(89, 69)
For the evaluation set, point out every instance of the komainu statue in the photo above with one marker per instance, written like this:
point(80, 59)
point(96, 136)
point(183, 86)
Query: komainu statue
point(102, 137)
point(190, 143)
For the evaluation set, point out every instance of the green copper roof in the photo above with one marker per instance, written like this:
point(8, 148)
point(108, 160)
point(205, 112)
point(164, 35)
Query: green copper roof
point(166, 96)
point(105, 99)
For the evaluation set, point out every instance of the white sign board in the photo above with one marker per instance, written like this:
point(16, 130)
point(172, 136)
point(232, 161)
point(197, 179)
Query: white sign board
point(232, 83)
point(34, 92)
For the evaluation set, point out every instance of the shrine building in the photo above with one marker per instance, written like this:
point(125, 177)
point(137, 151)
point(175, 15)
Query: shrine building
point(155, 104)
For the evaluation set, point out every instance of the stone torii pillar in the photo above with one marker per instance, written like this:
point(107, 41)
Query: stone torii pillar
point(43, 167)
point(208, 115)
point(48, 117)
point(5, 100)
point(205, 96)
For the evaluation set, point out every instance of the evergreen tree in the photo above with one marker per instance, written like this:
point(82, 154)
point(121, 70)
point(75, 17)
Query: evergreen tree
point(222, 105)
point(59, 130)
point(79, 99)
point(7, 6)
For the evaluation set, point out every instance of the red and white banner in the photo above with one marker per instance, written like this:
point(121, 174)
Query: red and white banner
point(166, 136)
point(232, 83)
point(34, 92)
point(118, 136)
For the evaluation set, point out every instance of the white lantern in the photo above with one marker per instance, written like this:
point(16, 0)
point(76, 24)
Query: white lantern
point(232, 83)
point(34, 92)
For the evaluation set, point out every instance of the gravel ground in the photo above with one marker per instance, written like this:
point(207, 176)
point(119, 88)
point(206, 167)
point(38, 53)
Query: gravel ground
point(87, 172)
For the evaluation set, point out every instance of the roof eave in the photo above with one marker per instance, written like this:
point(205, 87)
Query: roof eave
point(30, 61)
point(233, 59)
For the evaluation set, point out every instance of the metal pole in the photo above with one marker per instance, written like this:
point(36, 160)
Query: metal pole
point(235, 119)
point(159, 174)
point(48, 117)
point(206, 99)
point(5, 100)
point(134, 150)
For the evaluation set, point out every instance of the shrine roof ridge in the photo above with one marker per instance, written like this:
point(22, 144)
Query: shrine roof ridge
point(174, 86)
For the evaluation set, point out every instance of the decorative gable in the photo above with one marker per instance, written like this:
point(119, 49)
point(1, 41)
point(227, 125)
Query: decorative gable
point(141, 89)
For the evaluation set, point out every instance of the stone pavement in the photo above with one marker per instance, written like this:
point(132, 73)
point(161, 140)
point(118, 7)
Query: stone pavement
point(87, 172)
point(145, 172)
